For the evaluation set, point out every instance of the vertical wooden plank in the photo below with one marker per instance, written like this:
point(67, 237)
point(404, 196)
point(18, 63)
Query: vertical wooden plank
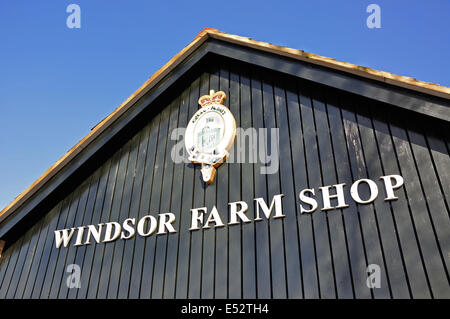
point(234, 231)
point(75, 219)
point(311, 224)
point(248, 229)
point(13, 273)
point(164, 207)
point(324, 266)
point(24, 260)
point(129, 249)
point(439, 213)
point(221, 248)
point(300, 179)
point(350, 215)
point(87, 197)
point(369, 225)
point(158, 170)
point(29, 259)
point(316, 160)
point(340, 255)
point(142, 282)
point(386, 224)
point(423, 224)
point(108, 254)
point(12, 264)
point(124, 213)
point(170, 275)
point(262, 231)
point(43, 251)
point(338, 240)
point(337, 236)
point(208, 250)
point(182, 282)
point(4, 262)
point(277, 248)
point(441, 159)
point(96, 270)
point(196, 251)
point(415, 270)
point(92, 250)
point(146, 192)
point(291, 235)
point(69, 206)
point(87, 218)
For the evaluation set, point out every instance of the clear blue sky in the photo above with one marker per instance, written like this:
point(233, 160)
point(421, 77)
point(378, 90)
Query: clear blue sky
point(56, 83)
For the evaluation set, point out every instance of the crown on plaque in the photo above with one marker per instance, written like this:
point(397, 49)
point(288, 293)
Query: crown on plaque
point(212, 98)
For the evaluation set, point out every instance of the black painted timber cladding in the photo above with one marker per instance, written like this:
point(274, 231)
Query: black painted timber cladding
point(327, 136)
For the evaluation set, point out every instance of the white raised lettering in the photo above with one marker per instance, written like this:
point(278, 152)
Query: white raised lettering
point(165, 222)
point(63, 237)
point(128, 228)
point(94, 232)
point(141, 225)
point(234, 212)
point(214, 217)
point(307, 200)
point(389, 187)
point(276, 202)
point(339, 195)
point(197, 217)
point(109, 235)
point(373, 191)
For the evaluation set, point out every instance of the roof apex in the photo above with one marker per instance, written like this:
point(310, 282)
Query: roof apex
point(386, 77)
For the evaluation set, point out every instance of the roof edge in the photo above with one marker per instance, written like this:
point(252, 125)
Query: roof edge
point(102, 125)
point(385, 77)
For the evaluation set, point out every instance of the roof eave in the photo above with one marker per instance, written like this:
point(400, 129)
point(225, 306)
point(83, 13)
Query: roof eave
point(104, 124)
point(385, 77)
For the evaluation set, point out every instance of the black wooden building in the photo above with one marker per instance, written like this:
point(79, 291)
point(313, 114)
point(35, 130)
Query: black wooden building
point(338, 123)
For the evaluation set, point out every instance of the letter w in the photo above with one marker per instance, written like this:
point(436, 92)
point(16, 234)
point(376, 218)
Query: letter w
point(63, 236)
